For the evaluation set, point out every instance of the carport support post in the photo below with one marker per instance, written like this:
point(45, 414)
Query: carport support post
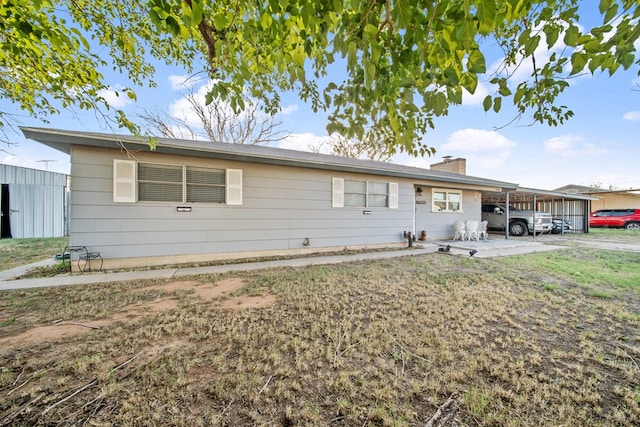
point(562, 223)
point(506, 218)
point(534, 216)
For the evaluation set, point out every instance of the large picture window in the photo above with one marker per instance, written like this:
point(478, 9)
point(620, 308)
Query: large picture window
point(151, 182)
point(447, 200)
point(182, 184)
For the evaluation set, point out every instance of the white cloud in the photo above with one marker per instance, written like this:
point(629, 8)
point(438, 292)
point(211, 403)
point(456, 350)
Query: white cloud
point(306, 142)
point(182, 109)
point(477, 140)
point(617, 181)
point(571, 146)
point(115, 97)
point(289, 109)
point(632, 116)
point(181, 82)
point(420, 162)
point(477, 97)
point(48, 163)
point(484, 150)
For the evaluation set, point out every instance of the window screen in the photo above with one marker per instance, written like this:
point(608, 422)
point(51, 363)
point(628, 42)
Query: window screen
point(159, 183)
point(355, 193)
point(205, 185)
point(378, 194)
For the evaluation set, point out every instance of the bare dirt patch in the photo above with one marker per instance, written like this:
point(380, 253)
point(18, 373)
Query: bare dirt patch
point(52, 332)
point(204, 291)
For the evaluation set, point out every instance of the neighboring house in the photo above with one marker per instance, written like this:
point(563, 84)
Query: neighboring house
point(607, 199)
point(33, 202)
point(194, 201)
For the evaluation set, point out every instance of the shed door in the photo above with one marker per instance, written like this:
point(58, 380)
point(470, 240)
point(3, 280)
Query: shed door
point(5, 218)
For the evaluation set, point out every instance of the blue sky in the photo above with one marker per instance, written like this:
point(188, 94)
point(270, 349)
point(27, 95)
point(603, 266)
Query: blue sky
point(599, 145)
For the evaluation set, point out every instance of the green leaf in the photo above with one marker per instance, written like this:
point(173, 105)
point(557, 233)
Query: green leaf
point(369, 73)
point(197, 7)
point(627, 60)
point(220, 20)
point(600, 31)
point(402, 12)
point(546, 14)
point(571, 36)
point(299, 56)
point(578, 62)
point(470, 82)
point(595, 62)
point(604, 5)
point(486, 103)
point(352, 56)
point(173, 25)
point(612, 12)
point(552, 32)
point(504, 89)
point(439, 103)
point(486, 16)
point(519, 95)
point(497, 104)
point(531, 45)
point(476, 62)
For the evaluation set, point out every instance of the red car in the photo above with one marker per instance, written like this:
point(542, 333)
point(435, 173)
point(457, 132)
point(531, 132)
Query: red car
point(616, 218)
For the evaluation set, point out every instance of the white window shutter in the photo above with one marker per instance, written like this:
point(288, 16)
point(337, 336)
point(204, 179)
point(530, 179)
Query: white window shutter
point(337, 193)
point(125, 181)
point(234, 187)
point(393, 195)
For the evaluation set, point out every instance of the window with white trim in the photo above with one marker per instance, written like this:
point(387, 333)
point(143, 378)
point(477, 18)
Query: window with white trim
point(364, 194)
point(151, 182)
point(447, 200)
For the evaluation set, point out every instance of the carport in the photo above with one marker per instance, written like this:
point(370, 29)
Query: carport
point(570, 207)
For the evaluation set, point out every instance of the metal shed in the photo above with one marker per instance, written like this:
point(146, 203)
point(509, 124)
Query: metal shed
point(33, 202)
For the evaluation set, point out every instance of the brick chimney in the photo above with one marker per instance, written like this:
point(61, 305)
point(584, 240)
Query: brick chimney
point(449, 164)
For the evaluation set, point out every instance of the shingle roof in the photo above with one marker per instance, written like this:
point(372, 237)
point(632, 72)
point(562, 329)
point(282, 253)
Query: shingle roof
point(62, 140)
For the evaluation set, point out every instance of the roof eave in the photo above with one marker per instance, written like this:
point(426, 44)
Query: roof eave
point(63, 140)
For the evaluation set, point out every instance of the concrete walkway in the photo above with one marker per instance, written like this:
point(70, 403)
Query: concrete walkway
point(485, 249)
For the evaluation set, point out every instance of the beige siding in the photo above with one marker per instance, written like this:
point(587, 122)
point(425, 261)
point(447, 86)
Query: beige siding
point(616, 201)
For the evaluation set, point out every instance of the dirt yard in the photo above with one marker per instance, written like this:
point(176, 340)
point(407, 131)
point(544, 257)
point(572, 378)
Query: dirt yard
point(547, 339)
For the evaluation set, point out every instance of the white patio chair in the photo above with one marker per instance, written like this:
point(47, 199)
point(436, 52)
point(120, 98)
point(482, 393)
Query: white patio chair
point(472, 229)
point(460, 230)
point(482, 230)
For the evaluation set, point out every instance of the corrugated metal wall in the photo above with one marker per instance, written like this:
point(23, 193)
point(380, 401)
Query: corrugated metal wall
point(37, 201)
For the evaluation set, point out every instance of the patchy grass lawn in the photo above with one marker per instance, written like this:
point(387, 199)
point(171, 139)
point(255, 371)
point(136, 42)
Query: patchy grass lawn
point(17, 252)
point(514, 341)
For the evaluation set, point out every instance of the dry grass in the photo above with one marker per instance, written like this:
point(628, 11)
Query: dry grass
point(17, 252)
point(362, 344)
